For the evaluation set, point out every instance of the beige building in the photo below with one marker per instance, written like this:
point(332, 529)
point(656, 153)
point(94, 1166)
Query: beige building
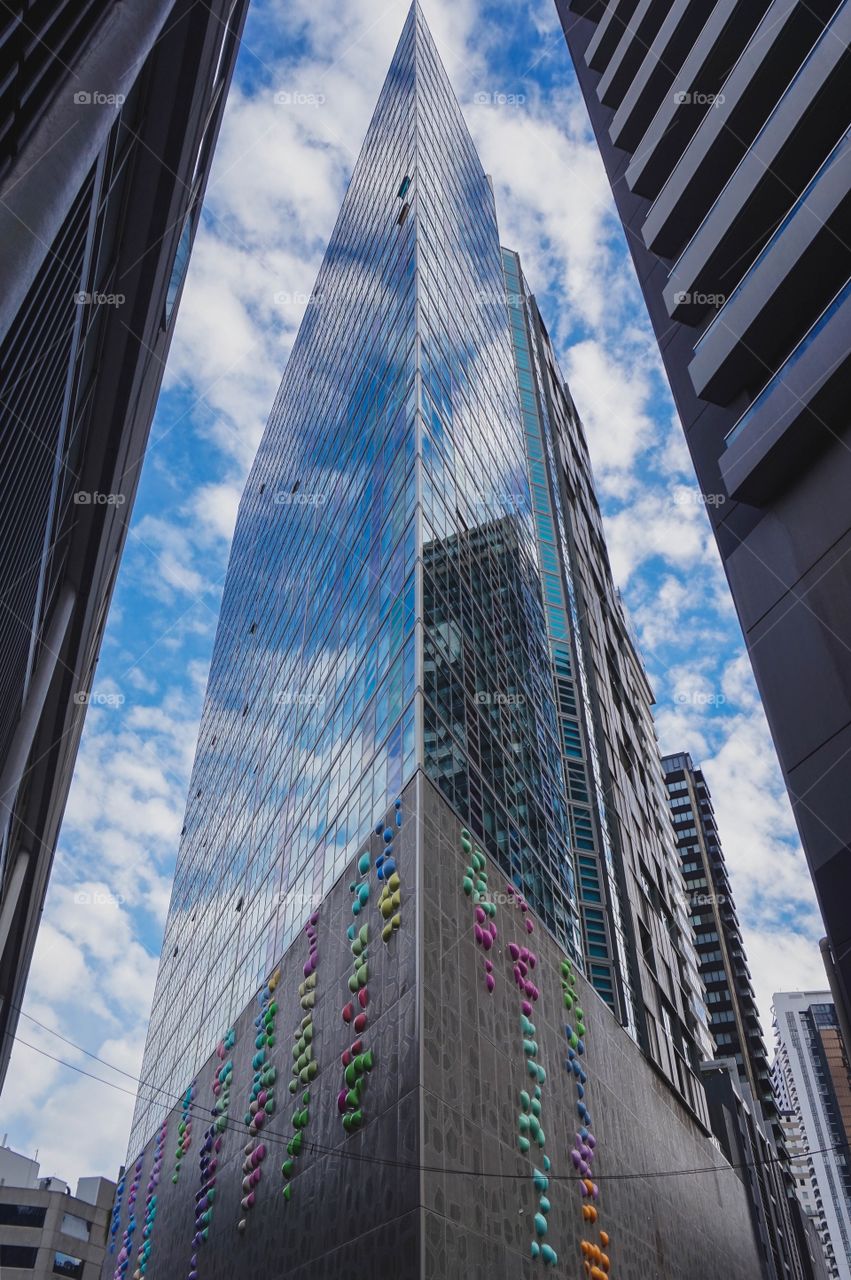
point(46, 1231)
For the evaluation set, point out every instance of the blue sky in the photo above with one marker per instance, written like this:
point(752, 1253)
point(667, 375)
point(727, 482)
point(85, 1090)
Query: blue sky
point(277, 182)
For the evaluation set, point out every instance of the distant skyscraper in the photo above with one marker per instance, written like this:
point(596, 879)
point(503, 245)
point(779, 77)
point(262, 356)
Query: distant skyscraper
point(109, 115)
point(722, 963)
point(372, 981)
point(812, 1081)
point(724, 129)
point(803, 1182)
point(744, 1118)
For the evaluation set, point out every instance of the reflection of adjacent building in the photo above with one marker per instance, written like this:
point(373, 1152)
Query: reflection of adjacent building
point(813, 1086)
point(489, 720)
point(46, 1231)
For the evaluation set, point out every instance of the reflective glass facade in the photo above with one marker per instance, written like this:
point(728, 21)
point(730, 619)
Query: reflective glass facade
point(490, 727)
point(382, 608)
point(419, 579)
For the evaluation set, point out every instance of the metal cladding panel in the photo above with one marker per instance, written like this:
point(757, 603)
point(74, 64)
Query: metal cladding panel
point(434, 1182)
point(33, 373)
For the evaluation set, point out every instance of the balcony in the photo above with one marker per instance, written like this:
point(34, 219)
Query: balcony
point(632, 48)
point(613, 22)
point(808, 120)
point(786, 287)
point(592, 9)
point(804, 405)
point(656, 74)
point(721, 39)
point(769, 60)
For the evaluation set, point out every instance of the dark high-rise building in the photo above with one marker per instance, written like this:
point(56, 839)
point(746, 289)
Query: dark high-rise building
point(373, 1044)
point(636, 934)
point(723, 126)
point(108, 117)
point(722, 963)
point(742, 1104)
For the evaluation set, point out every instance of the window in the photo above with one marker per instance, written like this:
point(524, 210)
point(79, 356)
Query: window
point(178, 270)
point(74, 1226)
point(64, 1264)
point(18, 1255)
point(22, 1215)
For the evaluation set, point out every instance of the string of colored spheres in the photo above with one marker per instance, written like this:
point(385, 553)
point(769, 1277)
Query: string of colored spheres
point(357, 1063)
point(475, 885)
point(147, 1242)
point(305, 1066)
point(210, 1149)
point(261, 1099)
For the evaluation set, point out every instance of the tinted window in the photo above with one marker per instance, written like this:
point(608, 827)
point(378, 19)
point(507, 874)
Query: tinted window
point(22, 1215)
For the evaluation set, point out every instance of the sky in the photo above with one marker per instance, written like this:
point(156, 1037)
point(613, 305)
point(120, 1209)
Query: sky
point(307, 79)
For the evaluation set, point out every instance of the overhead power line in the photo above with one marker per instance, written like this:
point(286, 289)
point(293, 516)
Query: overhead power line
point(275, 1138)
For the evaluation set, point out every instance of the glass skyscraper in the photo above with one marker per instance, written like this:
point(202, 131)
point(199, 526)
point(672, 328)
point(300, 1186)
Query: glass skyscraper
point(382, 607)
point(418, 571)
point(427, 805)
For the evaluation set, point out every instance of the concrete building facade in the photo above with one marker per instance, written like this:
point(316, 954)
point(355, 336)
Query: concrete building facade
point(46, 1231)
point(432, 1180)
